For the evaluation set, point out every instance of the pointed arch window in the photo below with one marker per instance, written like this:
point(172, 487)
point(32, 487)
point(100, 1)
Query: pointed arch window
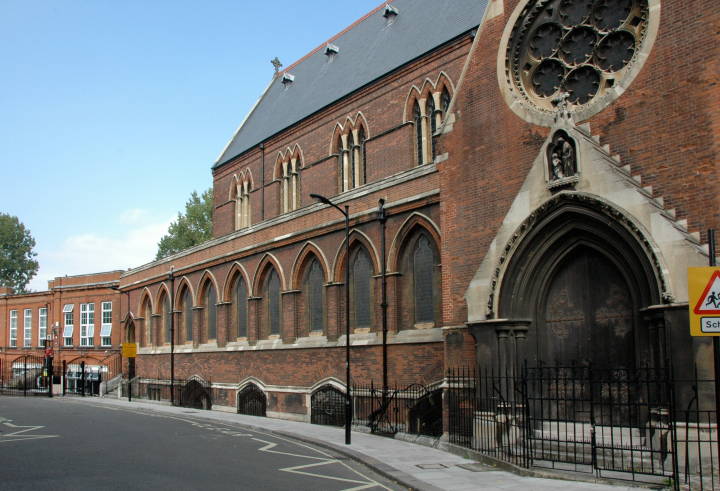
point(240, 297)
point(420, 283)
point(187, 315)
point(360, 289)
point(417, 119)
point(242, 205)
point(166, 319)
point(444, 103)
point(314, 297)
point(210, 300)
point(428, 113)
point(432, 124)
point(272, 303)
point(351, 146)
point(290, 185)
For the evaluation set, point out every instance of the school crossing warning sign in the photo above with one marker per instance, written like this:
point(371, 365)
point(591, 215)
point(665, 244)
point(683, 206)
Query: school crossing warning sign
point(704, 301)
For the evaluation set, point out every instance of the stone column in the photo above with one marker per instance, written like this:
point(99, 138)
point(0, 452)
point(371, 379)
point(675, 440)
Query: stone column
point(197, 326)
point(335, 319)
point(289, 329)
point(155, 328)
point(254, 317)
point(392, 280)
point(223, 324)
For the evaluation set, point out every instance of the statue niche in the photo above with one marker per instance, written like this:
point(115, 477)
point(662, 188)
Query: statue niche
point(562, 160)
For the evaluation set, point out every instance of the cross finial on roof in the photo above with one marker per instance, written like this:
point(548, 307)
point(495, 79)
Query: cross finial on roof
point(276, 63)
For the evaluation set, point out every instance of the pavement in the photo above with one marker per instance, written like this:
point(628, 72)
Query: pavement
point(411, 465)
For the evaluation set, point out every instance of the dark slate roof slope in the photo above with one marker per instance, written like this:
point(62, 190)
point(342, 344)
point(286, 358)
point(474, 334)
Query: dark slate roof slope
point(368, 49)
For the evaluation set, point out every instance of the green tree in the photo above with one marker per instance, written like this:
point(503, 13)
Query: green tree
point(192, 228)
point(17, 263)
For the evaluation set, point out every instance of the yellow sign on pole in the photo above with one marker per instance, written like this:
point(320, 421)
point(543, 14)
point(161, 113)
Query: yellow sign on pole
point(129, 350)
point(704, 301)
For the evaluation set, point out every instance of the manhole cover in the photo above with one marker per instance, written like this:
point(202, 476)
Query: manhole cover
point(190, 412)
point(432, 466)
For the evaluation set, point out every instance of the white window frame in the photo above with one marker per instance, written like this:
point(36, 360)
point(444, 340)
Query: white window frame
point(106, 326)
point(42, 326)
point(87, 324)
point(27, 328)
point(13, 328)
point(69, 327)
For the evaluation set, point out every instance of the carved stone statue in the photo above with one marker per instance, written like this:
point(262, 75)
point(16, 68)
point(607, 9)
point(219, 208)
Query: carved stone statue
point(561, 157)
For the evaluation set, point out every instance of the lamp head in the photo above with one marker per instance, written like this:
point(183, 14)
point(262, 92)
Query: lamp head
point(320, 198)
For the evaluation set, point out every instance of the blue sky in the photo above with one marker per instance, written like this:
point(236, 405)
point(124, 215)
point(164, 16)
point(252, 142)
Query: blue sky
point(111, 113)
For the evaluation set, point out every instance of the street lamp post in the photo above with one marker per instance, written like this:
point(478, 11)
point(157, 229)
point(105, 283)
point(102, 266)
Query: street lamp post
point(382, 218)
point(348, 405)
point(171, 277)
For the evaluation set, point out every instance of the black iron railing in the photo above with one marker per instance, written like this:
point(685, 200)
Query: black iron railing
point(415, 409)
point(618, 423)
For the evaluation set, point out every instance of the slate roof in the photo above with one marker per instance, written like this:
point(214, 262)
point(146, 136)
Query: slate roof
point(368, 49)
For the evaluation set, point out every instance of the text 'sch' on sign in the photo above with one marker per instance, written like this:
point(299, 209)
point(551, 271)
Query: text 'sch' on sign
point(704, 301)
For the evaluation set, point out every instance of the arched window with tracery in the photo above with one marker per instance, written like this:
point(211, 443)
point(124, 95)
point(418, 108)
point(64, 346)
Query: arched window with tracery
point(361, 271)
point(351, 147)
point(429, 109)
point(290, 183)
point(313, 291)
point(420, 282)
point(210, 314)
point(240, 296)
point(242, 204)
point(271, 303)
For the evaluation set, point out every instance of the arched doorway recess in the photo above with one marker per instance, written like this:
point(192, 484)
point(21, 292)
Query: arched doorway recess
point(577, 283)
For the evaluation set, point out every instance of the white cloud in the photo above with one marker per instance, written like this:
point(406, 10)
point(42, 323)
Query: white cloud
point(133, 216)
point(92, 253)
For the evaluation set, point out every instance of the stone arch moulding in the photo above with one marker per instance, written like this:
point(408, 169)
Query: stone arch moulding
point(163, 290)
point(310, 248)
point(415, 93)
point(236, 270)
point(331, 381)
point(208, 276)
point(414, 221)
point(350, 124)
point(585, 220)
point(356, 237)
point(146, 295)
point(184, 283)
point(267, 261)
point(250, 381)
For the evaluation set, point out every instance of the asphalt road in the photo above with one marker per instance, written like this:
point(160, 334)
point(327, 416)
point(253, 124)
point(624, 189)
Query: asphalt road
point(60, 443)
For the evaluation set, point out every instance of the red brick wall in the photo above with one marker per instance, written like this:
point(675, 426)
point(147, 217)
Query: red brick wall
point(410, 363)
point(666, 126)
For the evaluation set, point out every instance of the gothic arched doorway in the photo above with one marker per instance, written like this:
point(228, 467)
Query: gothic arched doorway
point(579, 279)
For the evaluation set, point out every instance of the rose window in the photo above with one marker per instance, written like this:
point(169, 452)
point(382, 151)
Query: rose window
point(579, 47)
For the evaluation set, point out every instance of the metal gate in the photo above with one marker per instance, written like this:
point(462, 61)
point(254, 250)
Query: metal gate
point(26, 375)
point(327, 406)
point(252, 401)
point(196, 394)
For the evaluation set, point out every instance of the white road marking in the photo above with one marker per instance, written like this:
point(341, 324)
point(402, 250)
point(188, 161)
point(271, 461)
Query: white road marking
point(20, 435)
